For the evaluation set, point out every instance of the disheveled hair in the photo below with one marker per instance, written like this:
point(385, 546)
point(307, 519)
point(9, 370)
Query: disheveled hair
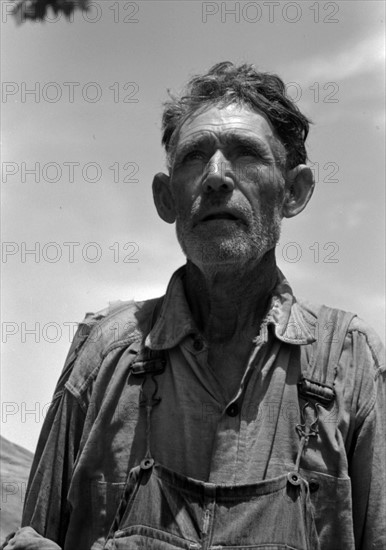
point(226, 83)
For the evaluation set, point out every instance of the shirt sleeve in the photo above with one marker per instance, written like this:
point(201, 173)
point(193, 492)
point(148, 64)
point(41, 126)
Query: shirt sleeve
point(368, 449)
point(46, 508)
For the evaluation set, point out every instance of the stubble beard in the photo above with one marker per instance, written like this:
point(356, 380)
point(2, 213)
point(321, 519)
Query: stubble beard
point(233, 249)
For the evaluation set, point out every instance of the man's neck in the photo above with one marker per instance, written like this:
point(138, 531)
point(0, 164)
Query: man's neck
point(227, 303)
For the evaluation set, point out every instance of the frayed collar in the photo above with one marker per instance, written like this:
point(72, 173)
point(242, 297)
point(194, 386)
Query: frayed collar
point(175, 321)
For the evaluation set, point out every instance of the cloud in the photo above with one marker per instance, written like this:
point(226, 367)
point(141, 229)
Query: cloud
point(355, 60)
point(349, 218)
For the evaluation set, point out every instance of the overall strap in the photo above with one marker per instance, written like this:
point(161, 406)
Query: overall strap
point(149, 361)
point(316, 384)
point(318, 375)
point(146, 364)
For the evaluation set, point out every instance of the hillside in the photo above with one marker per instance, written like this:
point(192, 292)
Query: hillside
point(15, 463)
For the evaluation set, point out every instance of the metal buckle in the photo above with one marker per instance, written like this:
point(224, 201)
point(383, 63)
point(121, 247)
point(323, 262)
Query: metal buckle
point(320, 392)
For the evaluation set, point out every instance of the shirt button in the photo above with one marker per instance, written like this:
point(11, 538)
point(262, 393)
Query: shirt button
point(233, 410)
point(198, 344)
point(314, 485)
point(294, 478)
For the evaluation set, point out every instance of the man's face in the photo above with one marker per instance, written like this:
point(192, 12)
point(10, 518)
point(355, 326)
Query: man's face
point(227, 187)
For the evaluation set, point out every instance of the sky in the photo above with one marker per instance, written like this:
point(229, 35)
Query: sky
point(81, 125)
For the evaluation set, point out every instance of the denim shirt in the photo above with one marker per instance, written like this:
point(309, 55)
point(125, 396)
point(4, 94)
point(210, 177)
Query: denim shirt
point(94, 432)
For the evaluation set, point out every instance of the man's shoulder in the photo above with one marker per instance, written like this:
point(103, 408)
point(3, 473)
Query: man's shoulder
point(119, 320)
point(119, 323)
point(357, 329)
point(117, 326)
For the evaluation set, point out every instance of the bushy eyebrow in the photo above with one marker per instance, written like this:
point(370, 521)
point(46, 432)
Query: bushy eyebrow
point(230, 138)
point(193, 143)
point(248, 141)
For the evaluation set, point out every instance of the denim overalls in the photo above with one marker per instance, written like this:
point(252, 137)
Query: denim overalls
point(164, 510)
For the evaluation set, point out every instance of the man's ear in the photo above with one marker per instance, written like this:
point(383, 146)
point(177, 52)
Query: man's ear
point(299, 187)
point(163, 198)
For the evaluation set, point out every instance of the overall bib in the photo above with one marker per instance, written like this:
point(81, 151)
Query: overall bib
point(164, 510)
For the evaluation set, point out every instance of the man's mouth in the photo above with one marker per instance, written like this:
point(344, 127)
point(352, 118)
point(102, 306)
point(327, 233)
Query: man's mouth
point(220, 216)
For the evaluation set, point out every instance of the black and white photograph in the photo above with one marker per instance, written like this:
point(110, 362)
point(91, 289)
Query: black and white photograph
point(193, 275)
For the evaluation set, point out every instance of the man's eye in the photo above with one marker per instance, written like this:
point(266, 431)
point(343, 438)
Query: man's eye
point(194, 155)
point(247, 152)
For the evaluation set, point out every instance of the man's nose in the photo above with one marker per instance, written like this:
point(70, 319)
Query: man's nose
point(218, 176)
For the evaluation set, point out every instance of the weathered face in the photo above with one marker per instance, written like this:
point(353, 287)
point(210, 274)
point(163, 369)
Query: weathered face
point(227, 187)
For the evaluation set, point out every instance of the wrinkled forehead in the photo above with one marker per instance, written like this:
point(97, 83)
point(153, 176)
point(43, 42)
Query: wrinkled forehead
point(218, 121)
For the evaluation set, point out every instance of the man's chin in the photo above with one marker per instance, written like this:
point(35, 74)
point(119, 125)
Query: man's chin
point(221, 253)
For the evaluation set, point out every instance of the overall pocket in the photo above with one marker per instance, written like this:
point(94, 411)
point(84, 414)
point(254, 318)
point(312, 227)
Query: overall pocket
point(331, 502)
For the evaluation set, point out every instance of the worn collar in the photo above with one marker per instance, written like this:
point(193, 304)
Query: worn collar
point(289, 320)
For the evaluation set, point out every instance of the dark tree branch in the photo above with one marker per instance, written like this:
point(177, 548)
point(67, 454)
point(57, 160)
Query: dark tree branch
point(36, 10)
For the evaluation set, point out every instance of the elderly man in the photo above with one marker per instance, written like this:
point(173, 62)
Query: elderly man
point(225, 414)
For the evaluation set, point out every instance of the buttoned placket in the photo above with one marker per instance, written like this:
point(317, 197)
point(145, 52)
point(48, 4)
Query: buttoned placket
point(234, 410)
